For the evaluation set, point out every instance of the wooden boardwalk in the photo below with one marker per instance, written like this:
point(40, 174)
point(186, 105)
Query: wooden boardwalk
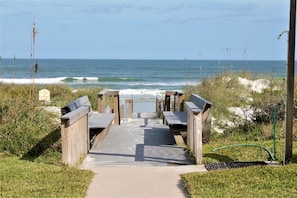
point(139, 141)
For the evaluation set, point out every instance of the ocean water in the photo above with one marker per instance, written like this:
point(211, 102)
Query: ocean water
point(132, 77)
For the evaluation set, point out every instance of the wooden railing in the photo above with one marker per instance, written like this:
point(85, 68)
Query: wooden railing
point(75, 135)
point(198, 124)
point(159, 106)
point(178, 101)
point(75, 128)
point(129, 107)
point(114, 100)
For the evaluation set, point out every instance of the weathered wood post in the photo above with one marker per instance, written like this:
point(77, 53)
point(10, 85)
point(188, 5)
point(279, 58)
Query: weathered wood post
point(129, 105)
point(181, 100)
point(116, 107)
point(122, 110)
point(116, 104)
point(159, 105)
point(206, 122)
point(178, 97)
point(101, 102)
point(167, 100)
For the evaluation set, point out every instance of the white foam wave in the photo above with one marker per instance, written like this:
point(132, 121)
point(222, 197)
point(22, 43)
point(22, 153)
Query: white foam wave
point(142, 94)
point(57, 80)
point(36, 80)
point(150, 83)
point(65, 80)
point(86, 78)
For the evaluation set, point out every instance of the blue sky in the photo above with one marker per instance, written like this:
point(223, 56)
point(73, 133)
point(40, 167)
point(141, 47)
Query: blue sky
point(145, 29)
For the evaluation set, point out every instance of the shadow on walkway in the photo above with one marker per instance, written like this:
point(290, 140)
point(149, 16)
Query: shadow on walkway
point(142, 141)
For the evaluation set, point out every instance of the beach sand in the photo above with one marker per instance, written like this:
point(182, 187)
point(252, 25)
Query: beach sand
point(144, 106)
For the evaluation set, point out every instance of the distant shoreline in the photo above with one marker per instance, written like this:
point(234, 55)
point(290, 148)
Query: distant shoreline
point(134, 59)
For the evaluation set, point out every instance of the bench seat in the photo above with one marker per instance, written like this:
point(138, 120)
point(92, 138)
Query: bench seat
point(100, 120)
point(176, 117)
point(98, 123)
point(177, 122)
point(96, 120)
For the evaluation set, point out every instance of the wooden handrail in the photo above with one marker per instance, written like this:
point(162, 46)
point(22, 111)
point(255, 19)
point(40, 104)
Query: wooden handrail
point(116, 103)
point(178, 97)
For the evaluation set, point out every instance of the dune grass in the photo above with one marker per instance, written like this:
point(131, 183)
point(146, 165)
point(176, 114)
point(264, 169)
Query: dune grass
point(27, 130)
point(30, 144)
point(260, 181)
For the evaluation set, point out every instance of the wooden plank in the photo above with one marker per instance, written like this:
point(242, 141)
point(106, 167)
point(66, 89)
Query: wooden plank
point(75, 115)
point(106, 92)
point(191, 107)
point(175, 118)
point(179, 140)
point(100, 120)
point(199, 101)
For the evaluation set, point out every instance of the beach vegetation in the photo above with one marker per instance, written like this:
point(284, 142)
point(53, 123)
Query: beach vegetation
point(261, 108)
point(252, 131)
point(33, 132)
point(30, 143)
point(238, 107)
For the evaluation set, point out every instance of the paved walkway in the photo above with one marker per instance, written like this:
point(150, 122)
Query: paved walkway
point(139, 158)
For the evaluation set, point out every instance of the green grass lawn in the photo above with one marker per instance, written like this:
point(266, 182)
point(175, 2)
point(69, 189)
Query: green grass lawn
point(21, 178)
point(257, 181)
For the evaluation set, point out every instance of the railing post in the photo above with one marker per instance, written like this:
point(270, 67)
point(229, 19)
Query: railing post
point(177, 96)
point(101, 102)
point(116, 108)
point(206, 123)
point(198, 127)
point(116, 104)
point(167, 101)
point(159, 105)
point(190, 130)
point(181, 101)
point(129, 105)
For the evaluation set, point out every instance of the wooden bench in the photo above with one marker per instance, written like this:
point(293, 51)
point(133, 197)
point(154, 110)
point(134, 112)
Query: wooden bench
point(177, 122)
point(198, 106)
point(196, 121)
point(75, 135)
point(97, 122)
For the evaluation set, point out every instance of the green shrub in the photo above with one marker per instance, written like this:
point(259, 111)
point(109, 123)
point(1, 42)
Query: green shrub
point(223, 91)
point(26, 129)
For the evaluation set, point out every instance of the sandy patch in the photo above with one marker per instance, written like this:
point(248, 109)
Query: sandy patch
point(255, 85)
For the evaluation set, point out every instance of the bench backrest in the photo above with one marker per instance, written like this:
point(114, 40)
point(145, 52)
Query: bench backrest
point(202, 107)
point(200, 102)
point(82, 101)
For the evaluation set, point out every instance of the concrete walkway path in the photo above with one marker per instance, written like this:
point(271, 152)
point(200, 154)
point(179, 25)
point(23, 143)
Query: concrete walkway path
point(139, 158)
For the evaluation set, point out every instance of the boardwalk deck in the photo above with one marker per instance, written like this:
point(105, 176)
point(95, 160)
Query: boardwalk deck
point(143, 140)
